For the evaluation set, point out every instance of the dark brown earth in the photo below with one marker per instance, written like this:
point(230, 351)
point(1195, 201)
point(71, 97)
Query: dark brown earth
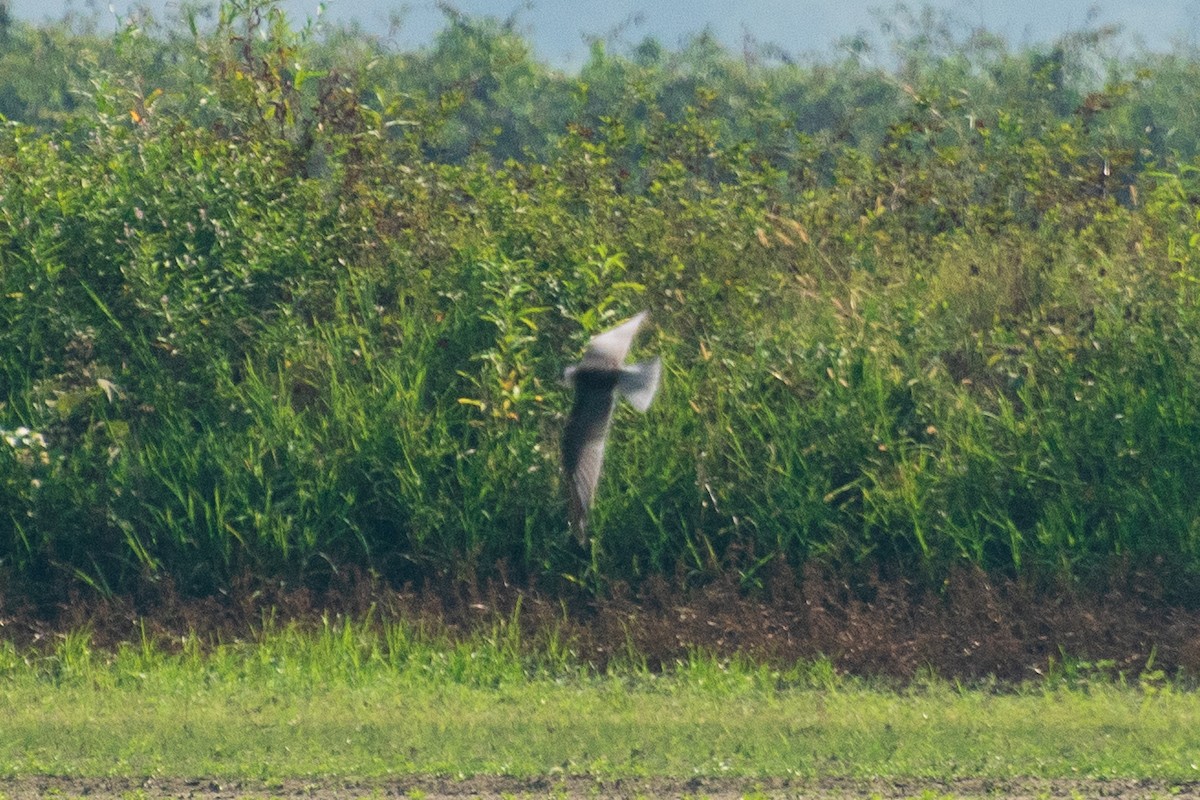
point(430, 788)
point(974, 627)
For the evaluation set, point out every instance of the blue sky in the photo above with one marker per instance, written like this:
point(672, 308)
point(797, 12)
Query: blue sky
point(558, 28)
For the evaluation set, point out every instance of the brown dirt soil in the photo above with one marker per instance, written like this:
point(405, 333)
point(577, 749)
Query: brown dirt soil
point(432, 788)
point(974, 627)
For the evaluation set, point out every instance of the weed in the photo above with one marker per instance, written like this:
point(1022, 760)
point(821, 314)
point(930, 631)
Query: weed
point(287, 306)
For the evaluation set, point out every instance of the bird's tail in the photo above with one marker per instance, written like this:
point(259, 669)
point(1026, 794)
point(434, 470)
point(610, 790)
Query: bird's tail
point(639, 382)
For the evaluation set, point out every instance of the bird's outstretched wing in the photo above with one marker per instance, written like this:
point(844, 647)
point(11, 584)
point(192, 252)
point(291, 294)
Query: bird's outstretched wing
point(583, 443)
point(609, 349)
point(639, 383)
point(583, 480)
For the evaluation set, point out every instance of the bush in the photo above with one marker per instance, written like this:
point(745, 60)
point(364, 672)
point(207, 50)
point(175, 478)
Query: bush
point(282, 312)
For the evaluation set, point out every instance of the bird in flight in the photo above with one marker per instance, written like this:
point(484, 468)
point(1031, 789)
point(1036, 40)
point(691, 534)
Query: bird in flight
point(596, 380)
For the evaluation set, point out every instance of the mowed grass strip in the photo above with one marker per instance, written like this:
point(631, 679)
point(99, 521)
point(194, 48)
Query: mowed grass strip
point(348, 703)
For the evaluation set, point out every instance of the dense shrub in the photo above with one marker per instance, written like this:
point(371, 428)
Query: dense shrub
point(269, 306)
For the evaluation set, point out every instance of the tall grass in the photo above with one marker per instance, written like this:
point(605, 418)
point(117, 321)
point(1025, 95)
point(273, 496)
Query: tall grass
point(258, 327)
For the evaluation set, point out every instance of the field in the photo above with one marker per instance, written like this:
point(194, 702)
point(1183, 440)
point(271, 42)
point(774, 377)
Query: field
point(283, 318)
point(360, 710)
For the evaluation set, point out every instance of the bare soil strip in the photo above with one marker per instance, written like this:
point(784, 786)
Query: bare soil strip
point(435, 788)
point(979, 627)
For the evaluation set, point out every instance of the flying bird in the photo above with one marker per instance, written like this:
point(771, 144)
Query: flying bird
point(596, 379)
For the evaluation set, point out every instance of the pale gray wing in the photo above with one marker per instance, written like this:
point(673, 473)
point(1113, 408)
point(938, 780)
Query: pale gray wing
point(583, 442)
point(611, 347)
point(639, 382)
point(583, 483)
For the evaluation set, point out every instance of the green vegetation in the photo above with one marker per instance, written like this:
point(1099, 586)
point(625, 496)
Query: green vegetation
point(367, 701)
point(282, 304)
